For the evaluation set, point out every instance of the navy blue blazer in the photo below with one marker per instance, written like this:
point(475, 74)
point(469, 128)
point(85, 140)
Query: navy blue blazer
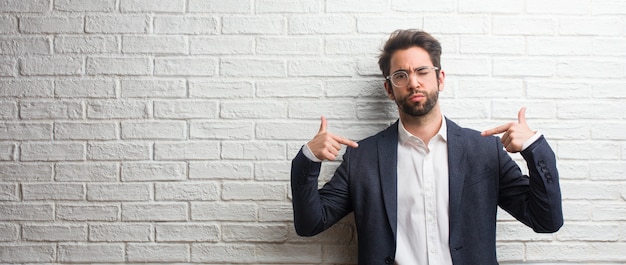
point(482, 177)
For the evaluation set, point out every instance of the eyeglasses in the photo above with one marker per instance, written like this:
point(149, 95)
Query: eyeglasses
point(401, 78)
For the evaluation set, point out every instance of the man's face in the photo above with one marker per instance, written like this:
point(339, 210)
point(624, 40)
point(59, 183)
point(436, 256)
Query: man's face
point(419, 96)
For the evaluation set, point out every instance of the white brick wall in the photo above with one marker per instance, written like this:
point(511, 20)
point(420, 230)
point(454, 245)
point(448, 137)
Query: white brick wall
point(161, 131)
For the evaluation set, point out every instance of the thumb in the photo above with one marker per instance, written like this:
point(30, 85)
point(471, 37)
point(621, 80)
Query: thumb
point(323, 125)
point(521, 116)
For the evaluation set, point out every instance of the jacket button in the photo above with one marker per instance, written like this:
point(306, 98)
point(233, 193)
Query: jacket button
point(388, 260)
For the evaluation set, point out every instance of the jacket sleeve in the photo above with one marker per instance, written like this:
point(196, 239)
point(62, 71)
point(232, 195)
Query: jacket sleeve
point(315, 210)
point(535, 200)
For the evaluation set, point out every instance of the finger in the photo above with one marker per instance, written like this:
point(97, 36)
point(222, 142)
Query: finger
point(345, 141)
point(521, 116)
point(497, 130)
point(323, 125)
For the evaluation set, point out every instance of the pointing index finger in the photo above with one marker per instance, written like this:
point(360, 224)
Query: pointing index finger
point(497, 130)
point(345, 141)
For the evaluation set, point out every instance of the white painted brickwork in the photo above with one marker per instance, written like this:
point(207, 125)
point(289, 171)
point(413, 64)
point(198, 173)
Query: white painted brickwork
point(161, 131)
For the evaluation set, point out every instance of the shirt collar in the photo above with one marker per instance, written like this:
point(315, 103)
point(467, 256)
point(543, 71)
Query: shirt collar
point(404, 135)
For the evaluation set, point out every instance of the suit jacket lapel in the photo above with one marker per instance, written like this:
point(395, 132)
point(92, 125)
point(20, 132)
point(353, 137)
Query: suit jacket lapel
point(456, 169)
point(387, 165)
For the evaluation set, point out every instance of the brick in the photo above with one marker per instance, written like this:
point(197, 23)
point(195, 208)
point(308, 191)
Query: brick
point(601, 150)
point(508, 109)
point(564, 130)
point(253, 191)
point(589, 232)
point(272, 171)
point(386, 24)
point(352, 46)
point(524, 67)
point(187, 109)
point(576, 252)
point(289, 253)
point(7, 152)
point(85, 5)
point(184, 66)
point(19, 253)
point(151, 171)
point(8, 192)
point(334, 24)
point(119, 66)
point(117, 24)
point(253, 25)
point(323, 67)
point(53, 191)
point(216, 6)
point(158, 88)
point(53, 65)
point(589, 191)
point(608, 131)
point(516, 25)
point(252, 68)
point(118, 109)
point(276, 213)
point(577, 211)
point(187, 233)
point(254, 233)
point(26, 212)
point(590, 110)
point(573, 7)
point(510, 252)
point(220, 211)
point(586, 68)
point(157, 253)
point(9, 232)
point(120, 232)
point(29, 6)
point(52, 151)
point(142, 130)
point(216, 89)
point(8, 24)
point(85, 88)
point(559, 46)
point(85, 131)
point(26, 88)
point(231, 45)
point(218, 253)
point(493, 45)
point(25, 131)
point(492, 6)
point(253, 110)
point(54, 233)
point(26, 172)
point(590, 26)
point(119, 192)
point(24, 45)
point(285, 130)
point(8, 66)
point(556, 89)
point(154, 212)
point(52, 24)
point(287, 6)
point(89, 44)
point(607, 170)
point(8, 110)
point(119, 151)
point(221, 130)
point(289, 45)
point(607, 7)
point(147, 6)
point(358, 6)
point(253, 150)
point(315, 109)
point(446, 6)
point(362, 89)
point(287, 89)
point(608, 47)
point(188, 150)
point(467, 24)
point(220, 170)
point(189, 191)
point(516, 231)
point(87, 212)
point(86, 172)
point(608, 211)
point(155, 44)
point(51, 110)
point(92, 252)
point(189, 25)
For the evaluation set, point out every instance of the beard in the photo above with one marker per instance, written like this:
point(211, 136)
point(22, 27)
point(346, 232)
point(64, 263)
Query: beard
point(416, 109)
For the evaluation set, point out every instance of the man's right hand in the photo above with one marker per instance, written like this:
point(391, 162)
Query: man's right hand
point(325, 145)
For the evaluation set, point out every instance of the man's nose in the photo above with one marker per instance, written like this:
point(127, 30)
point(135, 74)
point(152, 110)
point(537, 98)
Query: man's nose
point(414, 81)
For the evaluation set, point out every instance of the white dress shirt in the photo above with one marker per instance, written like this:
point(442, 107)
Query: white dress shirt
point(423, 218)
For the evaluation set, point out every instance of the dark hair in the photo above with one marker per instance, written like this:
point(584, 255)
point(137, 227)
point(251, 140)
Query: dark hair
point(406, 38)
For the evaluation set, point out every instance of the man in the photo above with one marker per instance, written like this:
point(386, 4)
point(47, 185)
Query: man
point(424, 190)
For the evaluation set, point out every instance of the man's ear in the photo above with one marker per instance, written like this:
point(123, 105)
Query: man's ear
point(440, 80)
point(389, 90)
